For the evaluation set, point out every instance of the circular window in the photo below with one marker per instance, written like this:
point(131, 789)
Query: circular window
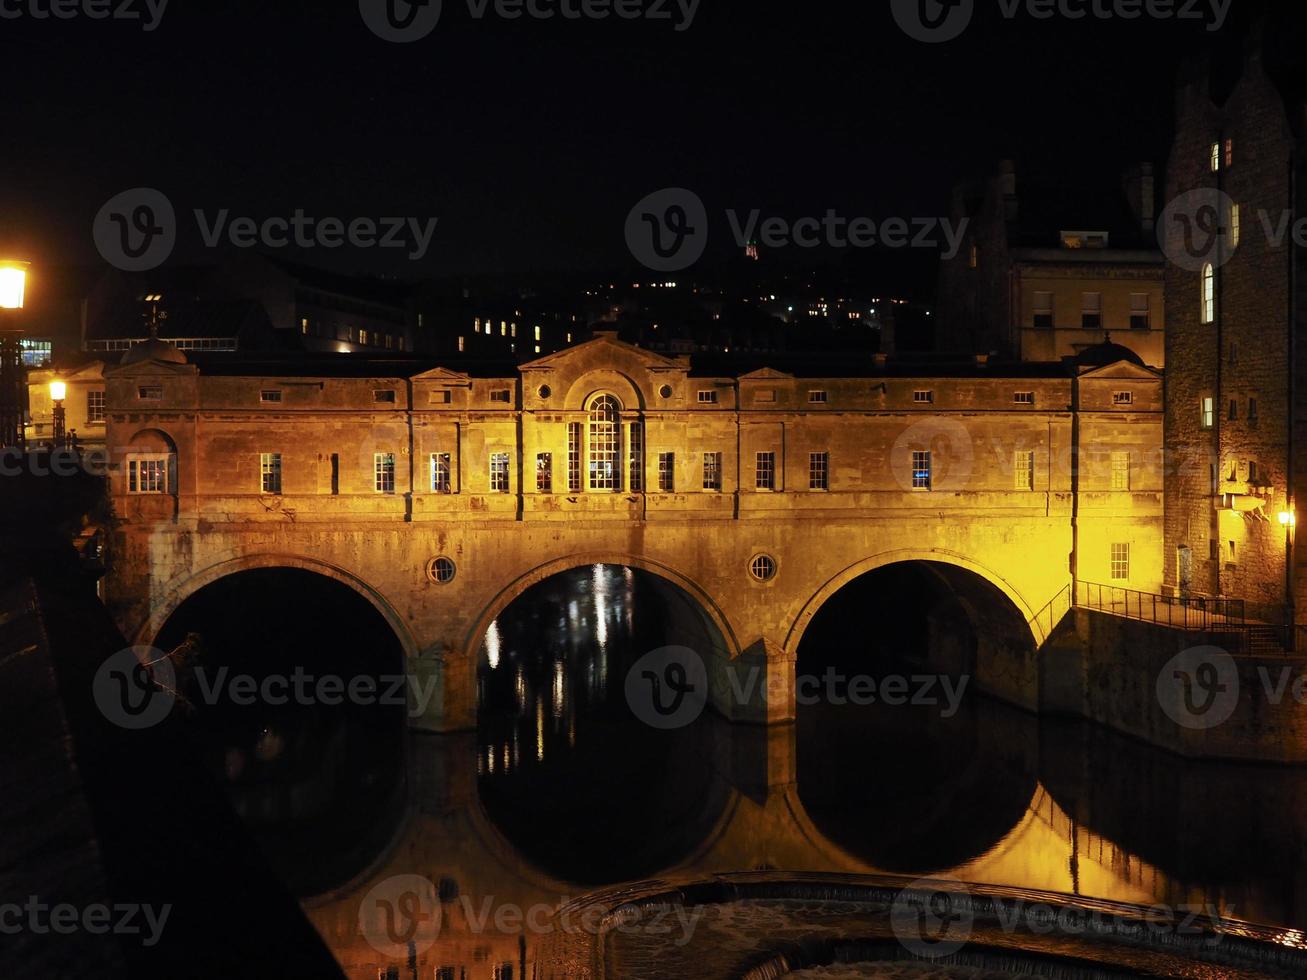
point(441, 570)
point(763, 568)
point(545, 391)
point(665, 391)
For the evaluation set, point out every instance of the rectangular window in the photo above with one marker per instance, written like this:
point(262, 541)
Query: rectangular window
point(441, 478)
point(1023, 398)
point(147, 474)
point(1234, 226)
point(95, 405)
point(1216, 157)
point(270, 472)
point(767, 397)
point(817, 398)
point(712, 471)
point(635, 458)
point(439, 398)
point(502, 395)
point(1044, 310)
point(1091, 311)
point(923, 397)
point(1252, 410)
point(150, 393)
point(818, 471)
point(707, 398)
point(1208, 416)
point(920, 470)
point(1121, 471)
point(1123, 398)
point(765, 472)
point(1024, 470)
point(544, 473)
point(1208, 298)
point(1233, 551)
point(1233, 414)
point(1120, 562)
point(363, 336)
point(384, 396)
point(574, 457)
point(383, 472)
point(1229, 153)
point(499, 472)
point(270, 396)
point(1140, 311)
point(667, 472)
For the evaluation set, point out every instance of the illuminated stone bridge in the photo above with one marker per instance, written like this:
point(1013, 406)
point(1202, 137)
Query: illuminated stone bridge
point(441, 495)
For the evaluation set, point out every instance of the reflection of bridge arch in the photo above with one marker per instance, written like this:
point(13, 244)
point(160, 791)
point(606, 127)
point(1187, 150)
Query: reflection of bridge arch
point(706, 607)
point(178, 593)
point(1038, 631)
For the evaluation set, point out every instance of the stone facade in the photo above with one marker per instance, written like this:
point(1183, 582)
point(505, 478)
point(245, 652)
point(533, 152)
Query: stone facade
point(1002, 506)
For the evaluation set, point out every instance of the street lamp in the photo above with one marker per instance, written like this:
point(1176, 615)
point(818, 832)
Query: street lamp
point(1288, 518)
point(13, 284)
point(58, 390)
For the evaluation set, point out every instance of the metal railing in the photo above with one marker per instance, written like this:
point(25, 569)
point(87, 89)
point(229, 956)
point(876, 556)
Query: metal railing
point(1182, 612)
point(1046, 619)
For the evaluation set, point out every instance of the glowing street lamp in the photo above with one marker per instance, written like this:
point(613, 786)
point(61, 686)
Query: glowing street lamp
point(58, 390)
point(1288, 518)
point(13, 284)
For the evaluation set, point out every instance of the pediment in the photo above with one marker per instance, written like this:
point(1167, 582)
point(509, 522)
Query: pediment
point(441, 375)
point(766, 374)
point(1122, 371)
point(150, 369)
point(603, 343)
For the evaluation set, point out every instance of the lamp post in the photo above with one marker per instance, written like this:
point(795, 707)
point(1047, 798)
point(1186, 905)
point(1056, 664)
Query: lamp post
point(1289, 519)
point(13, 386)
point(58, 391)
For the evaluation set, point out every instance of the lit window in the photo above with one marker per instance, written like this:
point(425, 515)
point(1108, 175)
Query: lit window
point(1208, 416)
point(635, 458)
point(707, 398)
point(975, 256)
point(383, 472)
point(270, 396)
point(920, 470)
point(150, 393)
point(544, 473)
point(1024, 470)
point(1044, 310)
point(537, 333)
point(1091, 311)
point(712, 471)
point(574, 457)
point(441, 479)
point(1140, 311)
point(1234, 226)
point(1216, 157)
point(1229, 153)
point(817, 398)
point(304, 324)
point(765, 472)
point(818, 471)
point(95, 405)
point(923, 397)
point(499, 473)
point(363, 336)
point(384, 396)
point(605, 448)
point(1023, 397)
point(1121, 471)
point(270, 472)
point(148, 474)
point(1120, 562)
point(1209, 294)
point(462, 345)
point(1123, 398)
point(667, 472)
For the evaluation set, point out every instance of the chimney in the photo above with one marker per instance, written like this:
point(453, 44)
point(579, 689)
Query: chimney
point(1140, 192)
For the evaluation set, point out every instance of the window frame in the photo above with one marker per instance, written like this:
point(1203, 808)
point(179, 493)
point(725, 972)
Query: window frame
point(666, 472)
point(1119, 561)
point(95, 399)
point(1121, 470)
point(1023, 470)
point(819, 471)
point(270, 474)
point(383, 467)
point(764, 471)
point(922, 471)
point(712, 472)
point(161, 474)
point(442, 467)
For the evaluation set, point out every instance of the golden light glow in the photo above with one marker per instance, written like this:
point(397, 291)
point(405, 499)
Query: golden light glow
point(13, 285)
point(58, 390)
point(1288, 518)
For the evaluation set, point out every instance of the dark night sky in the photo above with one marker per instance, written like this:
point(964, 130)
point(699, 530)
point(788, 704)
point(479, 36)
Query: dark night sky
point(532, 140)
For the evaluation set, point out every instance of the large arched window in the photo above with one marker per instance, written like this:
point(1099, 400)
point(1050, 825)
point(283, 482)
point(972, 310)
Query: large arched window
point(605, 444)
point(1209, 293)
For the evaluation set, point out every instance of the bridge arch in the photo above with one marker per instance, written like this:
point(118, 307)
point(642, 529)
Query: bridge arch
point(162, 610)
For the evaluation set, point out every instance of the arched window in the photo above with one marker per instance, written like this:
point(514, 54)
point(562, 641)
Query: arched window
point(605, 444)
point(1209, 293)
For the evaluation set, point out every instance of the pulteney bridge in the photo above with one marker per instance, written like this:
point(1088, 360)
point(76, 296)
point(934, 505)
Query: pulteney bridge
point(441, 495)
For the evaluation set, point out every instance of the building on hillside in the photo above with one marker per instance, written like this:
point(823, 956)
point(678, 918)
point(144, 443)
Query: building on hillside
point(1048, 268)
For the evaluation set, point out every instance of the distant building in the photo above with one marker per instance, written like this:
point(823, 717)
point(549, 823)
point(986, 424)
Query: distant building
point(1049, 269)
